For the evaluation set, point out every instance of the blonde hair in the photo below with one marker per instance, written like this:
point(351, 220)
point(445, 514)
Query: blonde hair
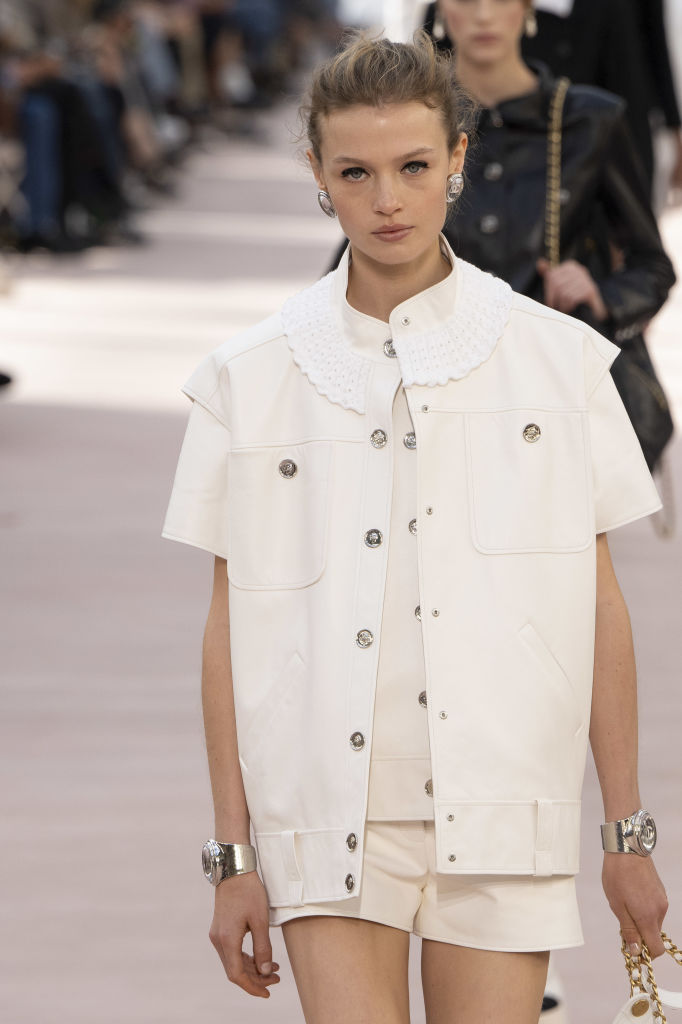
point(374, 72)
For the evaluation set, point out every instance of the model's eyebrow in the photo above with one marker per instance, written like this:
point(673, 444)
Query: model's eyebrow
point(408, 156)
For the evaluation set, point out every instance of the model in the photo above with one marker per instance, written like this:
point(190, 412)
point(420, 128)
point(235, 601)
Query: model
point(406, 477)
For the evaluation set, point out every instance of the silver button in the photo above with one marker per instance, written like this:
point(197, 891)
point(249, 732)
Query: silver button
point(425, 408)
point(350, 883)
point(422, 698)
point(373, 538)
point(357, 741)
point(452, 857)
point(429, 510)
point(388, 348)
point(493, 172)
point(490, 224)
point(378, 438)
point(564, 196)
point(364, 638)
point(435, 612)
point(413, 525)
point(442, 714)
point(351, 841)
point(418, 612)
point(288, 468)
point(428, 787)
point(451, 817)
point(405, 321)
point(410, 441)
point(531, 432)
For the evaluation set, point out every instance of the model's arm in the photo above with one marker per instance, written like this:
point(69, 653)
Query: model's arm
point(229, 801)
point(635, 292)
point(632, 886)
point(241, 903)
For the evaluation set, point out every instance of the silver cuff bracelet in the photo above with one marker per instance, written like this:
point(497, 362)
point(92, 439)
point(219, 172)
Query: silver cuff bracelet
point(222, 860)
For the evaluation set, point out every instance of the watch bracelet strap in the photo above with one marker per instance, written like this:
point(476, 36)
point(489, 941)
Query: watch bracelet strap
point(612, 839)
point(239, 858)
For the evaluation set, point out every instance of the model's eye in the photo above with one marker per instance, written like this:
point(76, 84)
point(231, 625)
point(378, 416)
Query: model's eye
point(353, 173)
point(415, 166)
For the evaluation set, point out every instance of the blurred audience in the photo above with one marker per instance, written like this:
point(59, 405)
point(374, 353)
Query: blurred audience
point(100, 100)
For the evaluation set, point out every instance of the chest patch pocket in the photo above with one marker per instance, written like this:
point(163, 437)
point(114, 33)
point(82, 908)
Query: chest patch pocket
point(278, 515)
point(528, 479)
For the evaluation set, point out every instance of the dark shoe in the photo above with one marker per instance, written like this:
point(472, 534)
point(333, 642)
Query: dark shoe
point(59, 243)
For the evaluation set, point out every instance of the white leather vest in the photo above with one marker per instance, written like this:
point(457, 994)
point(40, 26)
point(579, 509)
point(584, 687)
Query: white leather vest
point(524, 453)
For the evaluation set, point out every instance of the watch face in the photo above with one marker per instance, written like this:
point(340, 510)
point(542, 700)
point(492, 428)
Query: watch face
point(644, 830)
point(209, 855)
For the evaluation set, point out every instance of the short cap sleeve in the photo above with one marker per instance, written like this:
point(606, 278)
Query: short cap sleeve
point(197, 510)
point(624, 489)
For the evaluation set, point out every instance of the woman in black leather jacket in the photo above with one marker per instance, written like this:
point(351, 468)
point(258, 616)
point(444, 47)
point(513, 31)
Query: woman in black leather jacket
point(499, 224)
point(613, 271)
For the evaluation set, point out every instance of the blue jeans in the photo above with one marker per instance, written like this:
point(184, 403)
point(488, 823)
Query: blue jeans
point(40, 129)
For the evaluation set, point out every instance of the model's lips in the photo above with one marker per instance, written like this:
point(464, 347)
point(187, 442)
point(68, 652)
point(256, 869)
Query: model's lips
point(485, 37)
point(393, 232)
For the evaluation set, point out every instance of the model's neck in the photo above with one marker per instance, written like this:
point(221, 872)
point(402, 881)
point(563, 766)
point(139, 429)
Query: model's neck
point(377, 288)
point(491, 84)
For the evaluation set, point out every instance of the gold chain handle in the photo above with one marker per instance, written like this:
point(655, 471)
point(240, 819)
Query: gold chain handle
point(633, 965)
point(552, 197)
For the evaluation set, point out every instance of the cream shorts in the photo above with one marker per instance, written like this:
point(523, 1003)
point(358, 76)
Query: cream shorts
point(400, 888)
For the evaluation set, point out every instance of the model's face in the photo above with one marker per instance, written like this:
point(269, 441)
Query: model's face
point(386, 170)
point(484, 31)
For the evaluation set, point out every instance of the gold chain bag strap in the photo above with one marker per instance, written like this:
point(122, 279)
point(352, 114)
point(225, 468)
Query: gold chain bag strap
point(646, 1002)
point(553, 196)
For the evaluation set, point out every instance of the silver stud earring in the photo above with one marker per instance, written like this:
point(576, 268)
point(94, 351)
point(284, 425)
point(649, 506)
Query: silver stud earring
point(438, 30)
point(531, 23)
point(326, 204)
point(455, 187)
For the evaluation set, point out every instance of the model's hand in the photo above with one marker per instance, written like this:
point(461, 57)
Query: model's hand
point(570, 285)
point(241, 905)
point(637, 898)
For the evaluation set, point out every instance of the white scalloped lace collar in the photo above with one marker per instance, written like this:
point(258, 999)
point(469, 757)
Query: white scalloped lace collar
point(441, 334)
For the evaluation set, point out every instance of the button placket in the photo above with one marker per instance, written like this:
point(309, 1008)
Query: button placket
point(373, 545)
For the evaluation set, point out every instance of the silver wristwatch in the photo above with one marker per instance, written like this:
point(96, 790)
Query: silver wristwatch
point(636, 834)
point(222, 860)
